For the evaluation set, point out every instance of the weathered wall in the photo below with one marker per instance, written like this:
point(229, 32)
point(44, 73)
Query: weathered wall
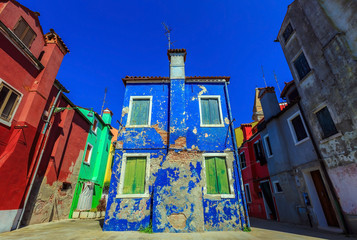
point(325, 30)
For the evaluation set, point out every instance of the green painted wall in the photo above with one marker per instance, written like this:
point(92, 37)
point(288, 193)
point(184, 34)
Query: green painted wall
point(95, 170)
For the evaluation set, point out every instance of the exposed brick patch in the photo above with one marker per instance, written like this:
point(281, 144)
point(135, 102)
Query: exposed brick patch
point(179, 143)
point(177, 220)
point(164, 135)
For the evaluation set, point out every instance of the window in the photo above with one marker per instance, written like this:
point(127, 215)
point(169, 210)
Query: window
point(302, 66)
point(94, 126)
point(268, 146)
point(247, 193)
point(23, 31)
point(288, 32)
point(277, 187)
point(297, 128)
point(216, 175)
point(243, 163)
point(9, 100)
point(140, 111)
point(134, 176)
point(88, 154)
point(258, 151)
point(327, 125)
point(210, 111)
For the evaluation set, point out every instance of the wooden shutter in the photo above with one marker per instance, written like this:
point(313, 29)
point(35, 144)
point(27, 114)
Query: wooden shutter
point(214, 111)
point(139, 181)
point(211, 177)
point(222, 176)
point(205, 111)
point(24, 32)
point(129, 176)
point(140, 112)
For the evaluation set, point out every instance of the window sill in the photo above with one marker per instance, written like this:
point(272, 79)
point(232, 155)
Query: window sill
point(145, 195)
point(302, 141)
point(7, 123)
point(212, 125)
point(219, 196)
point(336, 135)
point(88, 164)
point(138, 126)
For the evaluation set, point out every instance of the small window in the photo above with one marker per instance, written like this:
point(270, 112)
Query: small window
point(210, 111)
point(247, 193)
point(327, 125)
point(268, 146)
point(277, 187)
point(243, 163)
point(302, 66)
point(258, 151)
point(134, 179)
point(88, 154)
point(288, 32)
point(297, 128)
point(24, 32)
point(140, 112)
point(9, 100)
point(94, 126)
point(216, 175)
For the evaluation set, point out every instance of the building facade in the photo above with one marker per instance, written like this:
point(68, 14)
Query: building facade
point(29, 64)
point(175, 167)
point(89, 188)
point(60, 157)
point(318, 39)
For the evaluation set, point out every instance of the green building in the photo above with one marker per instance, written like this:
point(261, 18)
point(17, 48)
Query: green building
point(89, 187)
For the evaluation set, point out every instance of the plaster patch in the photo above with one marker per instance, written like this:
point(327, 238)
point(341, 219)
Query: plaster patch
point(204, 90)
point(226, 120)
point(177, 220)
point(124, 111)
point(194, 130)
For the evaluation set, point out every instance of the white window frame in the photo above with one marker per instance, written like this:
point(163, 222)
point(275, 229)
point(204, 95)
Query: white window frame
point(96, 127)
point(229, 172)
point(132, 98)
point(220, 110)
point(8, 123)
point(275, 188)
point(267, 146)
point(292, 129)
point(244, 158)
point(250, 194)
point(89, 156)
point(122, 176)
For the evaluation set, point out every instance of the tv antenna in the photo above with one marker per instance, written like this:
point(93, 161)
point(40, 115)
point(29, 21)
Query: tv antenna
point(105, 94)
point(264, 77)
point(168, 33)
point(277, 83)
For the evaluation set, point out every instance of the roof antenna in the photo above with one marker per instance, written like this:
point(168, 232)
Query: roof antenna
point(264, 77)
point(277, 83)
point(105, 94)
point(167, 33)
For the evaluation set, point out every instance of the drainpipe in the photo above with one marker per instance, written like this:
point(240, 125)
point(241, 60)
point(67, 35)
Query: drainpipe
point(40, 157)
point(236, 156)
point(324, 170)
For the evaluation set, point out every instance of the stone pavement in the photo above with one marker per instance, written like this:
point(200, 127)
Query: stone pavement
point(91, 229)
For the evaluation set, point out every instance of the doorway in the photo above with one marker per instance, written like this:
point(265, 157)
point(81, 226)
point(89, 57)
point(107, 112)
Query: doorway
point(325, 201)
point(268, 199)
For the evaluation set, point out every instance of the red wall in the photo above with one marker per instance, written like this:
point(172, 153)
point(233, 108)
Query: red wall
point(18, 146)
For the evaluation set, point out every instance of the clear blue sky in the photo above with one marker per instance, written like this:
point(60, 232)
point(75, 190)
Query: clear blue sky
point(111, 39)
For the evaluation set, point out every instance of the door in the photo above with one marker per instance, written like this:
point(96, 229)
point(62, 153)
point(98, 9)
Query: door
point(268, 196)
point(326, 205)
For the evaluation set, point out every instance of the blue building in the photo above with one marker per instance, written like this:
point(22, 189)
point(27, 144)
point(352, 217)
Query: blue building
point(175, 166)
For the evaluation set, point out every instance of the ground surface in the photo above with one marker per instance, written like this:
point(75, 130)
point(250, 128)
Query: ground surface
point(91, 229)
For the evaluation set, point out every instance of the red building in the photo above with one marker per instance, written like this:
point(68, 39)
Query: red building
point(255, 174)
point(29, 64)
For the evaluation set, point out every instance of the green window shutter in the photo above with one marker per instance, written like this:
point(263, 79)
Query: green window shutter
point(222, 176)
point(205, 111)
point(211, 176)
point(140, 112)
point(140, 175)
point(129, 175)
point(214, 111)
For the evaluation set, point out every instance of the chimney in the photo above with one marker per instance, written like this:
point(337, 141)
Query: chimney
point(107, 116)
point(269, 102)
point(177, 58)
